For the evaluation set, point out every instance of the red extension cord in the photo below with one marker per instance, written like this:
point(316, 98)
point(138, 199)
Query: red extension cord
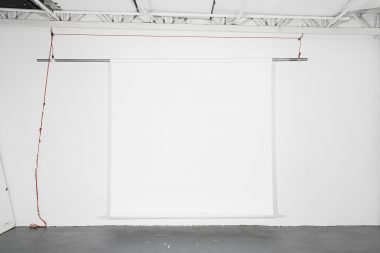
point(35, 226)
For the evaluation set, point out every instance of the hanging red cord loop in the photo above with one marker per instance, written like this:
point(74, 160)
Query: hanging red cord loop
point(300, 46)
point(35, 226)
point(188, 36)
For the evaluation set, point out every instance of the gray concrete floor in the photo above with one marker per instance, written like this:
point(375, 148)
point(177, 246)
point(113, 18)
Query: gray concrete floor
point(232, 239)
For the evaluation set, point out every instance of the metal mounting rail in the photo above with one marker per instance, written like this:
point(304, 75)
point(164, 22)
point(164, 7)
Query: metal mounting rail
point(109, 60)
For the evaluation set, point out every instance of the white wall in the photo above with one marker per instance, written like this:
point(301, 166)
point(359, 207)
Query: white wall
point(6, 213)
point(328, 121)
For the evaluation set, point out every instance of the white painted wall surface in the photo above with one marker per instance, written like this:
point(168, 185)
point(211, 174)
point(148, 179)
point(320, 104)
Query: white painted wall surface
point(328, 121)
point(7, 220)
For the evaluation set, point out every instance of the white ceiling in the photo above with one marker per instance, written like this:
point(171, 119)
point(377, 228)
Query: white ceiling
point(278, 7)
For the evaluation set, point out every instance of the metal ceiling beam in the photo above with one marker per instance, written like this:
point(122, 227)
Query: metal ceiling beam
point(21, 10)
point(136, 6)
point(46, 9)
point(240, 12)
point(284, 22)
point(205, 15)
point(241, 9)
point(372, 10)
point(361, 20)
point(192, 29)
point(141, 9)
point(346, 8)
point(213, 6)
point(126, 13)
point(176, 14)
point(269, 22)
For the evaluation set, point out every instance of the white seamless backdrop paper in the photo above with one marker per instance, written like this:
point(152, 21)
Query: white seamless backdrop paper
point(195, 144)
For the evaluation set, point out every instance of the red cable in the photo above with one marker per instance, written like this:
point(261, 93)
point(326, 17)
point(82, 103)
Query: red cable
point(35, 226)
point(187, 36)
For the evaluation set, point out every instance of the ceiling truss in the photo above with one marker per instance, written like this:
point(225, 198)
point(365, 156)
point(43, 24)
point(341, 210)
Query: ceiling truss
point(363, 18)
